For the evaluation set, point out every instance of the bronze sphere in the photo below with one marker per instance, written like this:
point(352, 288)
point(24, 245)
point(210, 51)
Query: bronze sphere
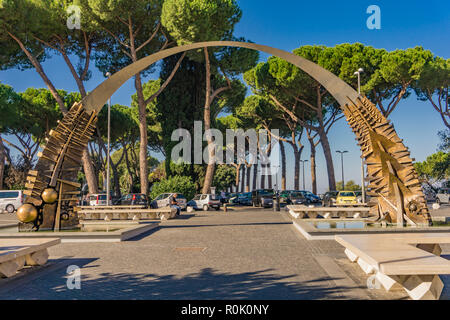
point(49, 195)
point(27, 213)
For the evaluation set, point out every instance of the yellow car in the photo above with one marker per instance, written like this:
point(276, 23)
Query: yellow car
point(346, 198)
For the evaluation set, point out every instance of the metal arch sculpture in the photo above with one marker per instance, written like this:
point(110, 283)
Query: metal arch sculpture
point(391, 175)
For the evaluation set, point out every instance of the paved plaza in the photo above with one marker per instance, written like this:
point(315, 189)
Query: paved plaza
point(248, 254)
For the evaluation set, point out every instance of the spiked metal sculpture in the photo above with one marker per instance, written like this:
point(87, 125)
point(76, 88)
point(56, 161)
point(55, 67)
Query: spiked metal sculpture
point(393, 180)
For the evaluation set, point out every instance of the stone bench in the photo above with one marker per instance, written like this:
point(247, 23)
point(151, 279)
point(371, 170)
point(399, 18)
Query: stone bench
point(131, 206)
point(16, 253)
point(406, 261)
point(301, 212)
point(113, 213)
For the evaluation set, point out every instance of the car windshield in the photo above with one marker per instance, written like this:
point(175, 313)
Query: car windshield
point(296, 195)
point(197, 197)
point(161, 196)
point(180, 196)
point(266, 192)
point(358, 193)
point(346, 194)
point(214, 197)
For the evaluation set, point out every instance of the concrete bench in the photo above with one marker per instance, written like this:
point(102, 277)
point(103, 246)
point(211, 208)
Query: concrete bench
point(117, 213)
point(16, 253)
point(109, 207)
point(301, 211)
point(406, 261)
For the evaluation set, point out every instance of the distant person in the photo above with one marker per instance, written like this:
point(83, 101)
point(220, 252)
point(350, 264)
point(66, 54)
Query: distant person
point(173, 203)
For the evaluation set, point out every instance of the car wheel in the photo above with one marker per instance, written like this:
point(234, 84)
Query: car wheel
point(217, 208)
point(10, 208)
point(205, 207)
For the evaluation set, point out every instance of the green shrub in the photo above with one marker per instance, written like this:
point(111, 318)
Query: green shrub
point(178, 184)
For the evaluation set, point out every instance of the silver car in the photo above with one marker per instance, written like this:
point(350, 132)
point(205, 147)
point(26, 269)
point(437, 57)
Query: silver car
point(11, 200)
point(205, 201)
point(163, 200)
point(443, 196)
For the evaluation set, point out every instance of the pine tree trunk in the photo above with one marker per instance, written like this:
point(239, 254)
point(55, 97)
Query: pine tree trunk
point(2, 162)
point(329, 160)
point(255, 176)
point(313, 166)
point(263, 176)
point(89, 172)
point(296, 167)
point(143, 139)
point(243, 178)
point(283, 166)
point(116, 181)
point(247, 188)
point(238, 172)
point(269, 176)
point(207, 121)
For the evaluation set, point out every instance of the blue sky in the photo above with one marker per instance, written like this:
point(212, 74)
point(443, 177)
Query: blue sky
point(290, 24)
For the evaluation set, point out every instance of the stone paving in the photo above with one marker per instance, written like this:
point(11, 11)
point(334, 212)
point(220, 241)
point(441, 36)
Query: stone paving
point(249, 254)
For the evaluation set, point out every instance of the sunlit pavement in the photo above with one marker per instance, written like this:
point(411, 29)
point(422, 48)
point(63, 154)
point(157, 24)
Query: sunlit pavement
point(245, 254)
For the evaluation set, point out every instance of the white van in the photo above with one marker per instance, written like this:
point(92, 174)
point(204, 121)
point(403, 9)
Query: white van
point(11, 200)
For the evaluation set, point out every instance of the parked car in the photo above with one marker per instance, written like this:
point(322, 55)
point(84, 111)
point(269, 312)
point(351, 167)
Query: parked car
point(283, 196)
point(292, 197)
point(245, 199)
point(443, 195)
point(205, 202)
point(359, 198)
point(310, 197)
point(11, 200)
point(430, 196)
point(329, 198)
point(234, 198)
point(346, 198)
point(133, 199)
point(163, 201)
point(98, 199)
point(262, 198)
point(224, 197)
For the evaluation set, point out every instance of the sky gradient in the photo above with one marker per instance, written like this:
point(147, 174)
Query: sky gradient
point(290, 24)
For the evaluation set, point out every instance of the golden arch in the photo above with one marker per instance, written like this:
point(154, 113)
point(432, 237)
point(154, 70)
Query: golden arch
point(393, 181)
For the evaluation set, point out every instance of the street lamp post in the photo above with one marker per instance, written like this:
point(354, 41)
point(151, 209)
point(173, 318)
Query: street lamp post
point(342, 164)
point(363, 185)
point(303, 169)
point(108, 193)
point(276, 204)
point(358, 73)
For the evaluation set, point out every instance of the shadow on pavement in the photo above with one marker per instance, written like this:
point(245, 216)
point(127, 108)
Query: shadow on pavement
point(207, 284)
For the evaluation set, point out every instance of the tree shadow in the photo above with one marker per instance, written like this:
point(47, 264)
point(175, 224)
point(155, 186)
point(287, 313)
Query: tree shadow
point(206, 284)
